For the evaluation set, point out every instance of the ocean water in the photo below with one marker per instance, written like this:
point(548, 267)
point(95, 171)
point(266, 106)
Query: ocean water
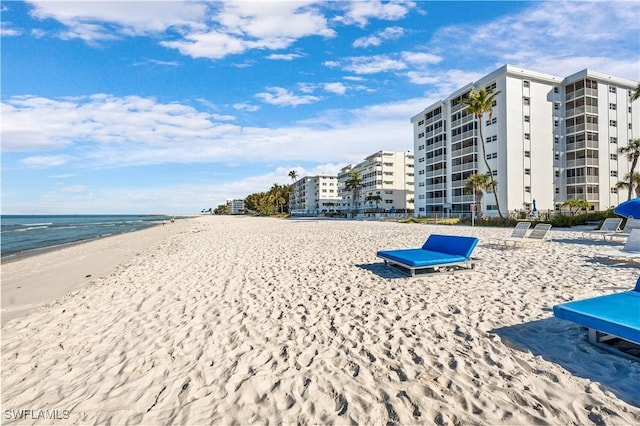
point(26, 234)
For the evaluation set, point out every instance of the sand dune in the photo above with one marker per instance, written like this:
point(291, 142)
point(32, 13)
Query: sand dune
point(236, 320)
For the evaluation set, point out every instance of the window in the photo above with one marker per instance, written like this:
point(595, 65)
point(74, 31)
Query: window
point(613, 157)
point(629, 126)
point(526, 101)
point(495, 173)
point(527, 171)
point(612, 89)
point(557, 190)
point(556, 123)
point(556, 105)
point(613, 123)
point(612, 106)
point(556, 139)
point(614, 190)
point(525, 83)
point(556, 90)
point(527, 119)
point(613, 139)
point(614, 173)
point(557, 173)
point(527, 189)
point(527, 136)
point(527, 154)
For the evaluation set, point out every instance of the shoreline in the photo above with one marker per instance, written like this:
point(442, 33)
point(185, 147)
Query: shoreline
point(44, 275)
point(254, 320)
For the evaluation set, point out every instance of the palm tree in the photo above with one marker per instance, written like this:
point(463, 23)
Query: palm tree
point(636, 93)
point(633, 153)
point(478, 103)
point(577, 203)
point(478, 183)
point(294, 176)
point(627, 179)
point(375, 198)
point(353, 183)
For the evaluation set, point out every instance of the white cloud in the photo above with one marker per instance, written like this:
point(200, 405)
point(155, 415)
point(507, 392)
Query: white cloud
point(337, 88)
point(282, 97)
point(284, 56)
point(101, 131)
point(376, 39)
point(373, 64)
point(246, 107)
point(552, 32)
point(421, 58)
point(46, 161)
point(360, 12)
point(240, 26)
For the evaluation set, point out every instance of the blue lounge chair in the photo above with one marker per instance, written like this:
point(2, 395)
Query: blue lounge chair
point(607, 317)
point(440, 253)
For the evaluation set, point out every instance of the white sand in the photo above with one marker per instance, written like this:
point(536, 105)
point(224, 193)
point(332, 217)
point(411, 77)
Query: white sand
point(234, 320)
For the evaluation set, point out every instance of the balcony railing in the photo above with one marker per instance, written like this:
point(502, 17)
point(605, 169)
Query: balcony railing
point(463, 151)
point(462, 136)
point(581, 145)
point(435, 145)
point(435, 187)
point(462, 199)
point(463, 120)
point(582, 162)
point(472, 165)
point(438, 172)
point(582, 180)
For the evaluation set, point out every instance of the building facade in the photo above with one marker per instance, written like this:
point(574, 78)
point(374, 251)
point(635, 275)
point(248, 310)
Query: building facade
point(387, 184)
point(235, 206)
point(314, 195)
point(548, 139)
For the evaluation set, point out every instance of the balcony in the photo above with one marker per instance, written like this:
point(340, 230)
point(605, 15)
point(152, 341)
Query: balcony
point(435, 145)
point(435, 200)
point(462, 121)
point(581, 145)
point(462, 199)
point(464, 167)
point(438, 172)
point(463, 151)
point(582, 180)
point(433, 119)
point(435, 187)
point(462, 136)
point(582, 162)
point(581, 110)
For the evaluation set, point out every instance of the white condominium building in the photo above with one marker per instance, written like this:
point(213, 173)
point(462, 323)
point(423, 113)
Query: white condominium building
point(314, 195)
point(386, 183)
point(235, 206)
point(547, 140)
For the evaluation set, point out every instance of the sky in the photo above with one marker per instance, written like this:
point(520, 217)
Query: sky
point(173, 107)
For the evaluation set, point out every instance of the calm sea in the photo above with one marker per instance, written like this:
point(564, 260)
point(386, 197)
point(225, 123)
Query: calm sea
point(21, 235)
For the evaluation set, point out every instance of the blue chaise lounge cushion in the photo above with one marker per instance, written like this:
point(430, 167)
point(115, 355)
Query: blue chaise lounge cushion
point(437, 250)
point(617, 314)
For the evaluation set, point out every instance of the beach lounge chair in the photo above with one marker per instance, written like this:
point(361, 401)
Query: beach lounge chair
point(610, 317)
point(630, 250)
point(610, 224)
point(537, 235)
point(520, 231)
point(440, 253)
point(626, 231)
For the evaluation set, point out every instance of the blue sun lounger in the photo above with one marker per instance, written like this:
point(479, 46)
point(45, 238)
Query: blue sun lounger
point(606, 317)
point(440, 253)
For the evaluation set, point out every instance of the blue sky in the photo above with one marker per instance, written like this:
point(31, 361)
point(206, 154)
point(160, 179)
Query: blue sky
point(174, 107)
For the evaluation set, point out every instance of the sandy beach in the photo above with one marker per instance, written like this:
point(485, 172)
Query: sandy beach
point(240, 320)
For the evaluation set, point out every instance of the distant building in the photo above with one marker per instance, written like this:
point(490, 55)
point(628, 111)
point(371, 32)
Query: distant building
point(548, 139)
point(313, 195)
point(385, 174)
point(235, 206)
